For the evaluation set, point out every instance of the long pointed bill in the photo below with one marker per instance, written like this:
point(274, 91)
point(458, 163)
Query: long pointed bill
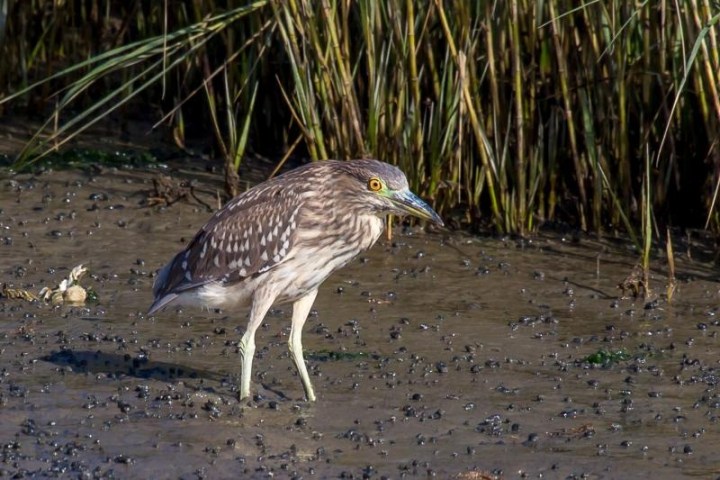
point(410, 204)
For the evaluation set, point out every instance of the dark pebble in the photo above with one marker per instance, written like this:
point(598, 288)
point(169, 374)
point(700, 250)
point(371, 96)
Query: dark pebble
point(652, 305)
point(532, 440)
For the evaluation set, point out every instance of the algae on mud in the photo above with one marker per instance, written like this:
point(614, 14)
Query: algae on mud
point(473, 360)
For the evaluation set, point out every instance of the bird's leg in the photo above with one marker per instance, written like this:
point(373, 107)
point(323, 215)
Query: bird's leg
point(261, 304)
point(301, 309)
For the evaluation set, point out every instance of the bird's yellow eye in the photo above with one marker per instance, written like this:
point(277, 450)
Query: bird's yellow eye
point(374, 184)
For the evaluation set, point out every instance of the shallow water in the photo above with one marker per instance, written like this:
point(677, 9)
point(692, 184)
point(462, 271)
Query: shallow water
point(438, 353)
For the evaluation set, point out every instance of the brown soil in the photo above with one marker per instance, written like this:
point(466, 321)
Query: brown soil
point(439, 354)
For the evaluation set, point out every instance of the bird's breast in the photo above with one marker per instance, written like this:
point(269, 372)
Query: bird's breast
point(316, 256)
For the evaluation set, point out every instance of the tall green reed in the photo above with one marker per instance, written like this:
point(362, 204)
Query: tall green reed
point(516, 112)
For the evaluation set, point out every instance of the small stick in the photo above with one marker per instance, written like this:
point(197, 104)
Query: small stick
point(672, 282)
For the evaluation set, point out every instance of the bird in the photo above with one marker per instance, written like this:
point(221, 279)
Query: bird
point(280, 240)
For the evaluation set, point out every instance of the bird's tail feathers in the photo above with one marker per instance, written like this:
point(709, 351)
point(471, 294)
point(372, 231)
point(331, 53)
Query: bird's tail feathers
point(161, 303)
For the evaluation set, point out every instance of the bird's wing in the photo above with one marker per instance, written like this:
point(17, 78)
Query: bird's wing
point(252, 234)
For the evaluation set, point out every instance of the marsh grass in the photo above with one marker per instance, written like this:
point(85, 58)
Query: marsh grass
point(604, 114)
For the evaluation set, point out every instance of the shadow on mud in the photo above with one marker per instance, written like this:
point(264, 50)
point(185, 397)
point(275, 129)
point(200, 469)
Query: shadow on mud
point(84, 361)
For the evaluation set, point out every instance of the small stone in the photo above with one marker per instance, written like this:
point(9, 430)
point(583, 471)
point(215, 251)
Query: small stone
point(75, 294)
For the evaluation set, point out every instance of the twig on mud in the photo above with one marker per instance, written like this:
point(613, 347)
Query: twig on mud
point(168, 190)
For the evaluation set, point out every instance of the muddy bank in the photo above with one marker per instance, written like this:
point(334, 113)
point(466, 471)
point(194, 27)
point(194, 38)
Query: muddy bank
point(434, 354)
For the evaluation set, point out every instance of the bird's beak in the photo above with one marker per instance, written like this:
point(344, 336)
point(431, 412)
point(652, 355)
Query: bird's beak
point(408, 203)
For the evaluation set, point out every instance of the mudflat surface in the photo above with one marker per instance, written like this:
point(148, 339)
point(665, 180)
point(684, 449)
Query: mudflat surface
point(433, 354)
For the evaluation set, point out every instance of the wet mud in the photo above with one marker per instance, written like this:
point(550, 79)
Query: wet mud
point(434, 354)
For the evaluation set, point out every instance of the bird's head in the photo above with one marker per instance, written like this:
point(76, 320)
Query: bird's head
point(383, 188)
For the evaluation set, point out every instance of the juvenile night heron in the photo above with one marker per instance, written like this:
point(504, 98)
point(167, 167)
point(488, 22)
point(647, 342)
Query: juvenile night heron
point(277, 242)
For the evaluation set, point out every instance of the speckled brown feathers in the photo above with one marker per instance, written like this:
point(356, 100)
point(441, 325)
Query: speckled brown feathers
point(249, 236)
point(257, 230)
